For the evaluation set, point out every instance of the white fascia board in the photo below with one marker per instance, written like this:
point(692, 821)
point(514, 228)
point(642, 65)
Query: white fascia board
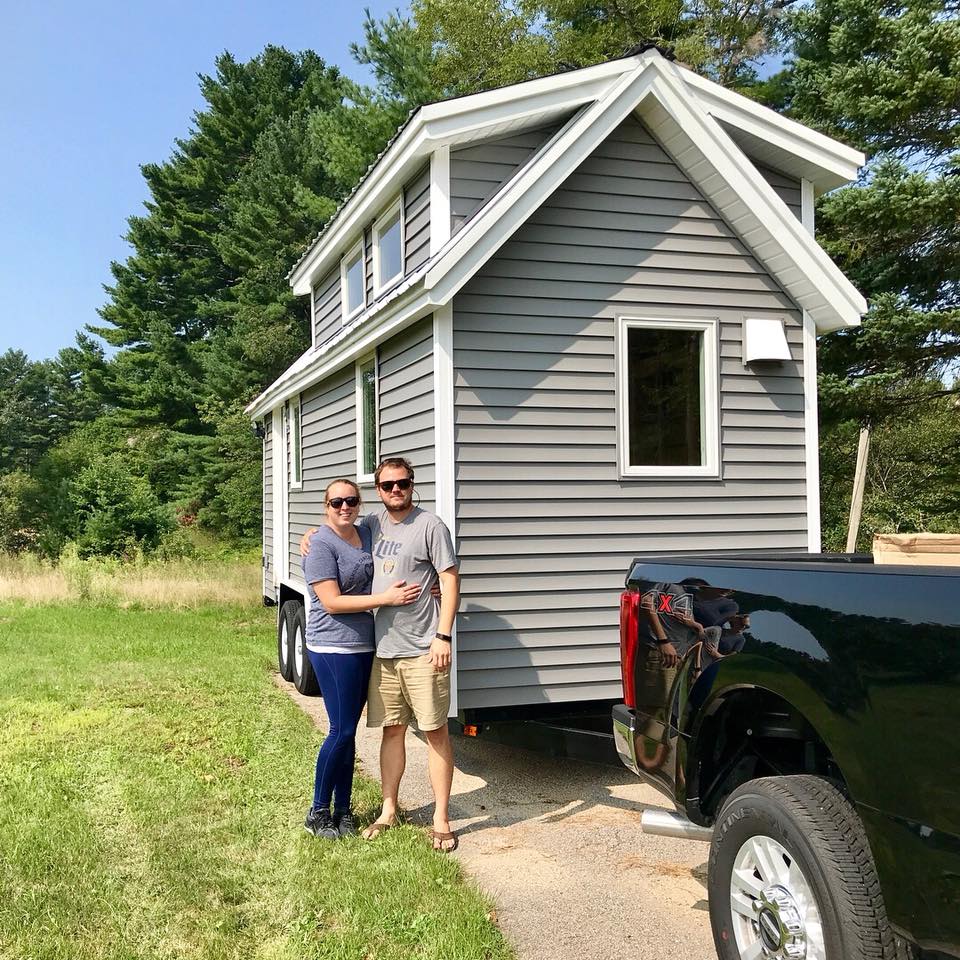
point(445, 123)
point(357, 341)
point(761, 217)
point(839, 163)
point(507, 210)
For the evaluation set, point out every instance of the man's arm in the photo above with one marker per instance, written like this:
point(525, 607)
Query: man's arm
point(440, 650)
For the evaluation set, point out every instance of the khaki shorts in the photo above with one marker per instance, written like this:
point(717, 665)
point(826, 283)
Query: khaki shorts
point(408, 689)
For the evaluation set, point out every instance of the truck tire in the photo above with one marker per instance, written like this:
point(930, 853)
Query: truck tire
point(285, 639)
point(304, 678)
point(791, 876)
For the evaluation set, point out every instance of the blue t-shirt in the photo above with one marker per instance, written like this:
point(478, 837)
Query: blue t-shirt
point(332, 558)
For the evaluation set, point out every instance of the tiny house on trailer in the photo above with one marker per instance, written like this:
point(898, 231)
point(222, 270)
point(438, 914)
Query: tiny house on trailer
point(585, 307)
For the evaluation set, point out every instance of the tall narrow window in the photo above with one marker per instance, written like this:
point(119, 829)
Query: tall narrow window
point(351, 281)
point(388, 248)
point(295, 459)
point(668, 398)
point(366, 418)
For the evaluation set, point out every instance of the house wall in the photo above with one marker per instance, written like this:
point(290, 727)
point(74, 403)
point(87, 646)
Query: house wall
point(479, 170)
point(416, 221)
point(268, 507)
point(545, 527)
point(329, 443)
point(327, 308)
point(787, 188)
point(406, 404)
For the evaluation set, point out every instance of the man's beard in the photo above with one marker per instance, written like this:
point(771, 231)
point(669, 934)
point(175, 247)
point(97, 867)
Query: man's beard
point(394, 508)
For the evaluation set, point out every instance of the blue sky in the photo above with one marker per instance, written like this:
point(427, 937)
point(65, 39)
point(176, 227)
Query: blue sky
point(91, 91)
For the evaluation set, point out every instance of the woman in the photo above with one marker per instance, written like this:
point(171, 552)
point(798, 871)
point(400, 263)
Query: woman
point(340, 644)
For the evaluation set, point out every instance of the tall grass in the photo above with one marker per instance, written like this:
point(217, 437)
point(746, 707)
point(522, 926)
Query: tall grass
point(185, 584)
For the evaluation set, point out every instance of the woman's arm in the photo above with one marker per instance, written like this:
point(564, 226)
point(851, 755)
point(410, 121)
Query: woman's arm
point(333, 601)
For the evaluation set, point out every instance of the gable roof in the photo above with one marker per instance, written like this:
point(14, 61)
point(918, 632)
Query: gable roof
point(699, 124)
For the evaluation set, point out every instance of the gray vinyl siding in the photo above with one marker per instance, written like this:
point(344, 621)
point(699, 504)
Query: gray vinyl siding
point(327, 307)
point(268, 506)
point(787, 188)
point(545, 527)
point(329, 444)
point(480, 169)
point(416, 221)
point(406, 404)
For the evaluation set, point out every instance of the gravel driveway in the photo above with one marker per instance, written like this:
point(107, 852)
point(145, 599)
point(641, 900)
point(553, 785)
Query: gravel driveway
point(557, 846)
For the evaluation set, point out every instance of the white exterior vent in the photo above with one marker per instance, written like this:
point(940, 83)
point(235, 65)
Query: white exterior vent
point(764, 339)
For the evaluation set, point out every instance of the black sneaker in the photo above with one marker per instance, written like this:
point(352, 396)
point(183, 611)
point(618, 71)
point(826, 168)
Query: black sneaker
point(320, 824)
point(345, 824)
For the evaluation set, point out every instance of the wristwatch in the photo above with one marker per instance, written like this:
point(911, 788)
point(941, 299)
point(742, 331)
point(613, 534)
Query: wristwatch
point(445, 637)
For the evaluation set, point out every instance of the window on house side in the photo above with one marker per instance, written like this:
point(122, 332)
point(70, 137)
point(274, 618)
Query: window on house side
point(352, 281)
point(293, 442)
point(388, 248)
point(668, 424)
point(367, 417)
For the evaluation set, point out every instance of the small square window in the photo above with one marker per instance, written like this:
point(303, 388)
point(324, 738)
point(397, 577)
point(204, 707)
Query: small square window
point(351, 281)
point(388, 247)
point(668, 398)
point(367, 439)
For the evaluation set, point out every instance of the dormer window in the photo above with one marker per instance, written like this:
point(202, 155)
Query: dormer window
point(388, 247)
point(351, 281)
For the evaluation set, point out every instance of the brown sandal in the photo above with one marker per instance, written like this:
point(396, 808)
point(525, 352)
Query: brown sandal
point(375, 829)
point(439, 838)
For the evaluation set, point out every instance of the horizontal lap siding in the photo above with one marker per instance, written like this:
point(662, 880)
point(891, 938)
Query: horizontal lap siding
point(416, 222)
point(479, 170)
point(787, 188)
point(327, 313)
point(545, 528)
point(329, 444)
point(406, 404)
point(268, 506)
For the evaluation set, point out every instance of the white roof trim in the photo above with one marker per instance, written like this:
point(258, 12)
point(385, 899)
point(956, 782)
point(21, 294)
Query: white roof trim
point(825, 162)
point(657, 90)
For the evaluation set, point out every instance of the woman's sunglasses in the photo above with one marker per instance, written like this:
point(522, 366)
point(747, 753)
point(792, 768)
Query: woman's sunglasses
point(387, 485)
point(338, 502)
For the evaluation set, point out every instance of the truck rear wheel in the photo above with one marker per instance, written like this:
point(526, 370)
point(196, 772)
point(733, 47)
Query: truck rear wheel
point(304, 678)
point(284, 639)
point(791, 876)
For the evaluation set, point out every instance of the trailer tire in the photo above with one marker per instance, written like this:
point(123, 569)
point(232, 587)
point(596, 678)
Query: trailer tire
point(304, 678)
point(285, 639)
point(790, 866)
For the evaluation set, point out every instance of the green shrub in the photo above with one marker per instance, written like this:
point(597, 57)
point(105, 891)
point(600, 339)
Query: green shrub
point(117, 512)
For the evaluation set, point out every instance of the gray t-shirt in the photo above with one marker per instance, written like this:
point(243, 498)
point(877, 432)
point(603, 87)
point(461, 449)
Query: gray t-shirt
point(332, 558)
point(414, 550)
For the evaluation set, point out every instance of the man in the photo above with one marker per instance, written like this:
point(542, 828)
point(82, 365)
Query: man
point(411, 672)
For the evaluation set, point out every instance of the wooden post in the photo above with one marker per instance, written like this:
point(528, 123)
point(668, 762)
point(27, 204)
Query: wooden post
point(859, 481)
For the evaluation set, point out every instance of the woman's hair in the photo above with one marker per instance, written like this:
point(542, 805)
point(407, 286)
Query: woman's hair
point(350, 483)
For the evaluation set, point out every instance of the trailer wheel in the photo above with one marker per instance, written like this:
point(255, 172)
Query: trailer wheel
point(791, 876)
point(285, 639)
point(304, 678)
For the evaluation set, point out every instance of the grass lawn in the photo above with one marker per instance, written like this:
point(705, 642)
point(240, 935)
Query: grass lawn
point(153, 782)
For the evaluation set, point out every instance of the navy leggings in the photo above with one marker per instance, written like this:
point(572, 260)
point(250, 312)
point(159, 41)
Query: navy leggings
point(343, 678)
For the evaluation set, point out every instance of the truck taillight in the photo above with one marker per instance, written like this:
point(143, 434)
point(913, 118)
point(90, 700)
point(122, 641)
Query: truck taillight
point(629, 641)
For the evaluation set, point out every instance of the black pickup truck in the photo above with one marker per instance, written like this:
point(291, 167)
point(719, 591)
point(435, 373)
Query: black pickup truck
point(803, 713)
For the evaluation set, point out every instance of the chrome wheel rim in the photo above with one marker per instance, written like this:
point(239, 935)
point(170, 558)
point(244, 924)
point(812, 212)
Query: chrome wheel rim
point(284, 646)
point(298, 649)
point(774, 911)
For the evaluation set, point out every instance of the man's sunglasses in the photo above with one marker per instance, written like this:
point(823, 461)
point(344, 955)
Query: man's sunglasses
point(338, 502)
point(387, 485)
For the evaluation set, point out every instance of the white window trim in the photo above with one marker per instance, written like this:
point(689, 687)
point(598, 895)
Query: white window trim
point(360, 364)
point(294, 484)
point(709, 398)
point(344, 260)
point(396, 207)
